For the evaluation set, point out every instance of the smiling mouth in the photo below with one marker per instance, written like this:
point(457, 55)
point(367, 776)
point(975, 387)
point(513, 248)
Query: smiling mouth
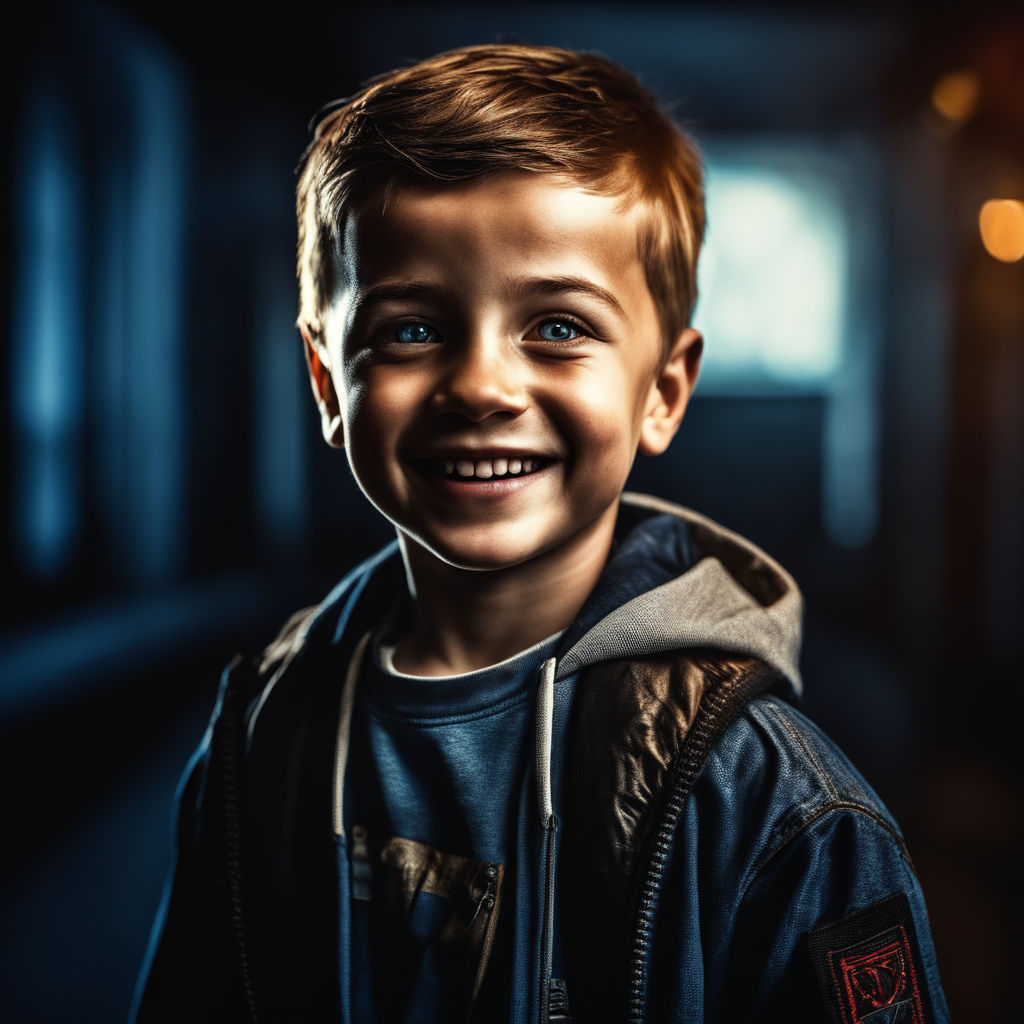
point(484, 469)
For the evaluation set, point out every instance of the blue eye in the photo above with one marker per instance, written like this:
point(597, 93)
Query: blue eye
point(415, 333)
point(559, 330)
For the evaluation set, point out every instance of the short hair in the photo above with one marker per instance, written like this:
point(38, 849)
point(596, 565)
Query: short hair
point(473, 112)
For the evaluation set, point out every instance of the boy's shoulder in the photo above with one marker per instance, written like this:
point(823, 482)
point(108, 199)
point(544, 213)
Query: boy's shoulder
point(249, 682)
point(355, 603)
point(774, 758)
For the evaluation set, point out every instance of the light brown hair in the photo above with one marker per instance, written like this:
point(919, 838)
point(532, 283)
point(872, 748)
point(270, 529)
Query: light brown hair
point(481, 110)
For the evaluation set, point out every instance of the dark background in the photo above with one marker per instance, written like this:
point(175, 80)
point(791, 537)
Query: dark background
point(170, 501)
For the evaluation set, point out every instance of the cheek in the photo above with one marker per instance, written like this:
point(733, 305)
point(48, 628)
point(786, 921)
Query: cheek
point(369, 439)
point(377, 405)
point(602, 414)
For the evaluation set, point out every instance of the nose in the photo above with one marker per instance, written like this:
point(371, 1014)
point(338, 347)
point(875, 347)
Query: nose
point(484, 377)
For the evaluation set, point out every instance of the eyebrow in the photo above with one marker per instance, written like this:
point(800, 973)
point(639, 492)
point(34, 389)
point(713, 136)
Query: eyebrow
point(561, 285)
point(517, 288)
point(398, 292)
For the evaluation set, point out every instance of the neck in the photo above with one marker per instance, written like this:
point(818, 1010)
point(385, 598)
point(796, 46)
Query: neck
point(464, 619)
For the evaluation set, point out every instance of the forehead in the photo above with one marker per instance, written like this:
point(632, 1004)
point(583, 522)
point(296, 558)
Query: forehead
point(488, 232)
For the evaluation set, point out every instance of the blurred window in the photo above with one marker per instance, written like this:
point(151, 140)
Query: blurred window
point(773, 276)
point(789, 299)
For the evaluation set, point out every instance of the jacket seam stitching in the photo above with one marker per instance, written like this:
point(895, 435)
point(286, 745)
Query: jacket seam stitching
point(823, 776)
point(835, 805)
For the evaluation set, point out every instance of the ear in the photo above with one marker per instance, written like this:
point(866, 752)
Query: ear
point(320, 379)
point(670, 393)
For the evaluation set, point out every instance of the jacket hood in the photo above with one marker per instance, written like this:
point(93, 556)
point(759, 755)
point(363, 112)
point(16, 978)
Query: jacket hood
point(682, 582)
point(732, 596)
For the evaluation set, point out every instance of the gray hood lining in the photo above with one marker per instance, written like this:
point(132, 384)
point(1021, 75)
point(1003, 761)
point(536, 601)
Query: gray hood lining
point(755, 609)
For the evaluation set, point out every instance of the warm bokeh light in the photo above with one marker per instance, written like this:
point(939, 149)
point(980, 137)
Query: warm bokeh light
point(955, 95)
point(1002, 229)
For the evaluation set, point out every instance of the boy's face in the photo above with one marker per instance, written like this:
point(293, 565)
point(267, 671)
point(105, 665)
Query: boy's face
point(492, 361)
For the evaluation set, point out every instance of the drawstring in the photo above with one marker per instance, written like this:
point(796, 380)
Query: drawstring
point(545, 713)
point(348, 699)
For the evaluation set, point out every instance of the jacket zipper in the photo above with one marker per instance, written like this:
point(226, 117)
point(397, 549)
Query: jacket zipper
point(718, 710)
point(548, 926)
point(649, 899)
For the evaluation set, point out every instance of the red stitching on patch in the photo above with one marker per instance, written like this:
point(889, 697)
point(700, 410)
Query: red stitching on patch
point(838, 988)
point(918, 1005)
point(877, 978)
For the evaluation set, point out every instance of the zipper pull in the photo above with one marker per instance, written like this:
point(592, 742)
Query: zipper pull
point(486, 903)
point(362, 869)
point(558, 1002)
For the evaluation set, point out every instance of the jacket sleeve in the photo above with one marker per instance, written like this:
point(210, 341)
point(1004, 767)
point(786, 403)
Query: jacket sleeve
point(833, 927)
point(189, 971)
point(789, 894)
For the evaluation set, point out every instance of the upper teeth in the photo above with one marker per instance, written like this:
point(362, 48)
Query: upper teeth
point(484, 469)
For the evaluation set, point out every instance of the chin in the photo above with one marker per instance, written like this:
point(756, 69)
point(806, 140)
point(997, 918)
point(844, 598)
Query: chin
point(482, 555)
point(489, 560)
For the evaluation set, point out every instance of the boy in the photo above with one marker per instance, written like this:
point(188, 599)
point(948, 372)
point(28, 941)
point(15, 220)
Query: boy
point(535, 760)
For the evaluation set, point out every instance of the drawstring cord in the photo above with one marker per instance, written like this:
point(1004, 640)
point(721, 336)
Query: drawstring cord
point(545, 716)
point(348, 701)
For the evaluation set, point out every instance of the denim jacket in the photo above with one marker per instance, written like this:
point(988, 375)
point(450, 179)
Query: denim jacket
point(711, 856)
point(781, 836)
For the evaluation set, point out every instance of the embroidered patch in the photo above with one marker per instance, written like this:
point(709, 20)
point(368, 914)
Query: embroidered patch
point(868, 966)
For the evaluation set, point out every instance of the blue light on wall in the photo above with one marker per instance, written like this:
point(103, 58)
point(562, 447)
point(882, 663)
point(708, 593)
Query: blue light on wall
point(47, 339)
point(148, 315)
point(98, 342)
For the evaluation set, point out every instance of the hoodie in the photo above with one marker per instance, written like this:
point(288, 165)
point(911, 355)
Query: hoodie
point(689, 845)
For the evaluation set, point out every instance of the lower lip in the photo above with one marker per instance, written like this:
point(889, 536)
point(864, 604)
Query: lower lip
point(470, 488)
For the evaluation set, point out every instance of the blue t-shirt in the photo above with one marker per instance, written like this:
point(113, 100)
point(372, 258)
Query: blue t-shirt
point(432, 792)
